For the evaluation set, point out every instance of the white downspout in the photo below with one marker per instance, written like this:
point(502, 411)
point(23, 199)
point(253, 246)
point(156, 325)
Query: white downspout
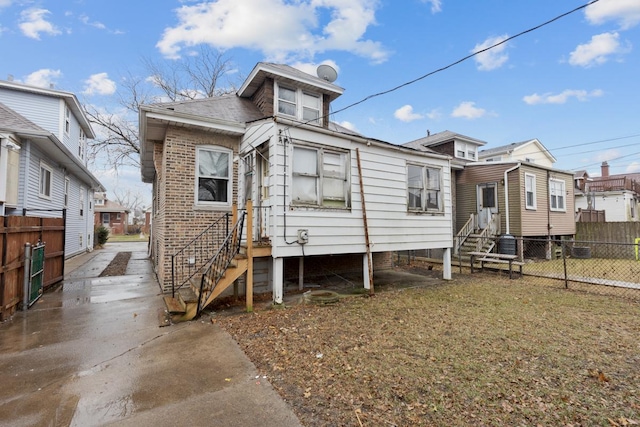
point(506, 195)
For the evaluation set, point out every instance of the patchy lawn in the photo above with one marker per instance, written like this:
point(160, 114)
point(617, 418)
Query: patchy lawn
point(480, 350)
point(128, 238)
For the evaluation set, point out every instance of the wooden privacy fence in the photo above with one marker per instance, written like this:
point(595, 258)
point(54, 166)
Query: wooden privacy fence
point(15, 231)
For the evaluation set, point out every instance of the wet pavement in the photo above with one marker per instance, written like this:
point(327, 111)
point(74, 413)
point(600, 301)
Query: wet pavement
point(92, 353)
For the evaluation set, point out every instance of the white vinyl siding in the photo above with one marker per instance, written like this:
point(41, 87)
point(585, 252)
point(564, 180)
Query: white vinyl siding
point(557, 195)
point(530, 191)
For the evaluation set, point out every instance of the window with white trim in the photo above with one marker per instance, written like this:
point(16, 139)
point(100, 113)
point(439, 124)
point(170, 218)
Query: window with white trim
point(530, 191)
point(82, 192)
point(319, 177)
point(67, 120)
point(213, 176)
point(298, 104)
point(424, 188)
point(106, 219)
point(82, 141)
point(557, 195)
point(67, 183)
point(46, 179)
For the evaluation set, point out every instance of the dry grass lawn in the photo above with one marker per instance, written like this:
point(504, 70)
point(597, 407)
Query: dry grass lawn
point(480, 350)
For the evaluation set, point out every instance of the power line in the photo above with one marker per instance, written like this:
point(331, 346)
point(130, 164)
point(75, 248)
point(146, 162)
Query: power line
point(465, 58)
point(446, 67)
point(598, 142)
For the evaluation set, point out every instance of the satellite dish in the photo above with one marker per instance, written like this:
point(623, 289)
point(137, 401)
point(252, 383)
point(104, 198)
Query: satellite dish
point(326, 72)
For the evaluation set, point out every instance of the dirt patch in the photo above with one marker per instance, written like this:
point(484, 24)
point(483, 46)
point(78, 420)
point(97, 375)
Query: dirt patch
point(118, 266)
point(476, 351)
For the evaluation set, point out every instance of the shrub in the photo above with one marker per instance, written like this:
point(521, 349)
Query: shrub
point(101, 235)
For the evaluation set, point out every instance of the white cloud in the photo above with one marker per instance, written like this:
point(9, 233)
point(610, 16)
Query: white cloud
point(468, 110)
point(43, 78)
point(290, 30)
point(492, 58)
point(598, 50)
point(33, 23)
point(434, 114)
point(406, 114)
point(5, 3)
point(562, 97)
point(634, 167)
point(99, 25)
point(436, 5)
point(625, 12)
point(607, 155)
point(99, 84)
point(312, 68)
point(349, 126)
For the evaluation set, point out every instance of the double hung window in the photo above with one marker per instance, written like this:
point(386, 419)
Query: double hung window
point(213, 176)
point(320, 177)
point(530, 190)
point(424, 188)
point(557, 195)
point(299, 104)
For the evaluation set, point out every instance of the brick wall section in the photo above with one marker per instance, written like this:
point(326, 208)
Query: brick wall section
point(178, 220)
point(325, 111)
point(263, 98)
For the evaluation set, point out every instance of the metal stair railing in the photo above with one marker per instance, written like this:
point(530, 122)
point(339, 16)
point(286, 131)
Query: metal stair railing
point(189, 260)
point(221, 261)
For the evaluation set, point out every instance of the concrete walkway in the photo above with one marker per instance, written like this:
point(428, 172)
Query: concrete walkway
point(92, 353)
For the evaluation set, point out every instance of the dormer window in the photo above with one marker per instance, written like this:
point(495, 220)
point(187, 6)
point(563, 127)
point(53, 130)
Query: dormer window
point(299, 104)
point(466, 150)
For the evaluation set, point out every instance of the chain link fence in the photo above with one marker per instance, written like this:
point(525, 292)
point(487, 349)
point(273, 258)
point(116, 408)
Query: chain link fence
point(596, 267)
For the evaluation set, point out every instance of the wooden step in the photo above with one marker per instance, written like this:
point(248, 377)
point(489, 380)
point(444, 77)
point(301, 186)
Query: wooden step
point(174, 305)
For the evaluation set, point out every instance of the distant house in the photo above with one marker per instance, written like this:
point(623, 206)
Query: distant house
point(309, 180)
point(530, 151)
point(110, 214)
point(617, 195)
point(43, 170)
point(507, 190)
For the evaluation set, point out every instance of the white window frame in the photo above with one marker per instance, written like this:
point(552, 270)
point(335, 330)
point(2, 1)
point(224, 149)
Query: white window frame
point(82, 141)
point(45, 181)
point(67, 120)
point(299, 104)
point(228, 178)
point(557, 196)
point(530, 187)
point(82, 193)
point(323, 173)
point(424, 185)
point(67, 185)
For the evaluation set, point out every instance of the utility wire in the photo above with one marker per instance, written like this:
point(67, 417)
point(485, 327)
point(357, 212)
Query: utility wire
point(465, 58)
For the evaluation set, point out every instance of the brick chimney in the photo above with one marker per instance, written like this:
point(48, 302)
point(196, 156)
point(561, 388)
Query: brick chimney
point(604, 169)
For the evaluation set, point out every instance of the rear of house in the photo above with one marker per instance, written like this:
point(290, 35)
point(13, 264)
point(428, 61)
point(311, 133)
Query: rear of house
point(325, 200)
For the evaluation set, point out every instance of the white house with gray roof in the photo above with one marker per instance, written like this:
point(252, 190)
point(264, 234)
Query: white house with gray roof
point(43, 171)
point(530, 151)
point(325, 200)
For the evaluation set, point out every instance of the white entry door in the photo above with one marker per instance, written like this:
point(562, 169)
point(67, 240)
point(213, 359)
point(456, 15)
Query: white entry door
point(487, 198)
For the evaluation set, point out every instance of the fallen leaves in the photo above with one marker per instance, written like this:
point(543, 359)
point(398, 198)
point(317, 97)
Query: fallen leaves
point(458, 354)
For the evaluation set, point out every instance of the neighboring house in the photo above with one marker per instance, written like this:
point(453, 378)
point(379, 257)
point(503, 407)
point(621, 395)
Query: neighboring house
point(43, 168)
point(310, 181)
point(617, 195)
point(493, 197)
point(110, 214)
point(531, 151)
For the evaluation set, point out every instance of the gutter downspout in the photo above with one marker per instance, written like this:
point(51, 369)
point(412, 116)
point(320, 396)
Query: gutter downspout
point(506, 195)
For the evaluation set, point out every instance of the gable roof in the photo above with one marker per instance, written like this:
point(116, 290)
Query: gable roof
point(442, 138)
point(110, 206)
point(68, 97)
point(15, 123)
point(287, 74)
point(509, 148)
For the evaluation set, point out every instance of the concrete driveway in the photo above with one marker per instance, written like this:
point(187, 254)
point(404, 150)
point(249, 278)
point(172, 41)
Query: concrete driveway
point(92, 353)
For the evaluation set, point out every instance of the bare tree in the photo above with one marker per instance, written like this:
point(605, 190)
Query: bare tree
point(206, 74)
point(134, 201)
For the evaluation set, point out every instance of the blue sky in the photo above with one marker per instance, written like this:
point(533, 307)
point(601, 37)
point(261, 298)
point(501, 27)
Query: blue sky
point(570, 84)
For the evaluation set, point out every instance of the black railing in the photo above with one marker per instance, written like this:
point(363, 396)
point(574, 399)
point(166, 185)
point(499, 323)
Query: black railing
point(189, 260)
point(220, 262)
